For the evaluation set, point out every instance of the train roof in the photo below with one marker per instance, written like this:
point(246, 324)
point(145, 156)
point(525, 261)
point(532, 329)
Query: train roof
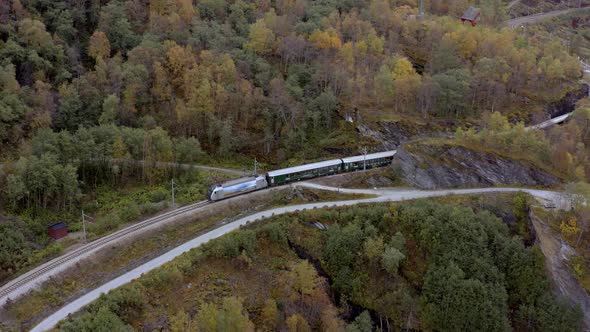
point(238, 181)
point(369, 156)
point(302, 168)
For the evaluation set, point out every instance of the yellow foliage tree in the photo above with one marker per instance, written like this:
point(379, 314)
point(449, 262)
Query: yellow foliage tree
point(296, 323)
point(261, 38)
point(328, 39)
point(569, 227)
point(99, 45)
point(269, 315)
point(402, 69)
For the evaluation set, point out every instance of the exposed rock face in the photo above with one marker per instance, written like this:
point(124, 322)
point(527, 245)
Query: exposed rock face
point(568, 103)
point(432, 167)
point(393, 134)
point(557, 253)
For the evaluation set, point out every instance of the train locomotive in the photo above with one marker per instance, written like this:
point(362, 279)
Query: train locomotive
point(298, 173)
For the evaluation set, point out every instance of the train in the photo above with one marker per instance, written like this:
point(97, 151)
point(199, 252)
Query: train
point(298, 173)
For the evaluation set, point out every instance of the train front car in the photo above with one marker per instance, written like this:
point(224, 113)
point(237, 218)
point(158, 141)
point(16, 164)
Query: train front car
point(236, 187)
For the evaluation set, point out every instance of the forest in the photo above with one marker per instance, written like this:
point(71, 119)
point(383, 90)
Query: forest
point(420, 266)
point(94, 93)
point(238, 76)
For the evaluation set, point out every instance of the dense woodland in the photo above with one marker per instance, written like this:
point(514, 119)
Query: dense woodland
point(259, 75)
point(422, 266)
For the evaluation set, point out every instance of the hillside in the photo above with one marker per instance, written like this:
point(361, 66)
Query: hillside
point(106, 106)
point(386, 267)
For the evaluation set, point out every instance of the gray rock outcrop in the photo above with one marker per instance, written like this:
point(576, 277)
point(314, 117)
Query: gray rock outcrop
point(432, 167)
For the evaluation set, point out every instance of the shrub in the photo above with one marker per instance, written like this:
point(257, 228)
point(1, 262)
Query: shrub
point(158, 195)
point(276, 232)
point(231, 245)
point(152, 208)
point(129, 213)
point(103, 224)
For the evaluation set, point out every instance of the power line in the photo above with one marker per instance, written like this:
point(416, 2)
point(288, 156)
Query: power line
point(173, 188)
point(84, 216)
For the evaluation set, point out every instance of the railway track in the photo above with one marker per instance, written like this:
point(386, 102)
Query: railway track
point(31, 276)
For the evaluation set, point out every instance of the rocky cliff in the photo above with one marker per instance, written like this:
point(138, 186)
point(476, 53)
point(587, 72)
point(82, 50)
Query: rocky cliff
point(444, 166)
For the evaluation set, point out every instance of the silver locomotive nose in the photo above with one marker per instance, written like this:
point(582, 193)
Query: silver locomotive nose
point(211, 192)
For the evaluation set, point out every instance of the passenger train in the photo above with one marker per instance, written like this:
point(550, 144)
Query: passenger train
point(297, 173)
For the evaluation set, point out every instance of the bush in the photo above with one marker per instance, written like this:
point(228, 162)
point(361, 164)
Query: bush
point(91, 207)
point(276, 232)
point(129, 213)
point(158, 195)
point(231, 245)
point(152, 208)
point(103, 224)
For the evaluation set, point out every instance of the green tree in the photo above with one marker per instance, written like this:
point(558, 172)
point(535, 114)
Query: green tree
point(12, 106)
point(233, 317)
point(391, 259)
point(362, 323)
point(454, 85)
point(70, 108)
point(373, 248)
point(180, 322)
point(304, 277)
point(187, 150)
point(117, 27)
point(110, 109)
point(207, 318)
point(261, 38)
point(455, 302)
point(269, 315)
point(102, 321)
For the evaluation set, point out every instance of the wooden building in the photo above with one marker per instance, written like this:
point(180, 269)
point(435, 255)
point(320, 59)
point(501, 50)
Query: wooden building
point(471, 15)
point(57, 231)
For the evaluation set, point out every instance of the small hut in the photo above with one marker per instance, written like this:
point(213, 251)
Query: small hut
point(57, 231)
point(471, 15)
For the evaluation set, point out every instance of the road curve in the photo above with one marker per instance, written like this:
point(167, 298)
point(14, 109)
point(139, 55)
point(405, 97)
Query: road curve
point(383, 195)
point(532, 19)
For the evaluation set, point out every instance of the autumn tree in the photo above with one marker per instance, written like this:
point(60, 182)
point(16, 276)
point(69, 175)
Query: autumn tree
point(269, 314)
point(296, 323)
point(180, 322)
point(261, 38)
point(304, 277)
point(99, 45)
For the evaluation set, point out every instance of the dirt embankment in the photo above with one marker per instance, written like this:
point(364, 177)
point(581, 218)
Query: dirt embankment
point(556, 253)
point(434, 166)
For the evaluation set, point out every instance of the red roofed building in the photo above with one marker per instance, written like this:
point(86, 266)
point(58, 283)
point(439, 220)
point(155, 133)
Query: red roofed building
point(471, 15)
point(57, 231)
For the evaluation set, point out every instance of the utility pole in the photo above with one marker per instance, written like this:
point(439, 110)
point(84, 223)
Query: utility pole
point(364, 158)
point(84, 216)
point(255, 167)
point(173, 187)
point(421, 14)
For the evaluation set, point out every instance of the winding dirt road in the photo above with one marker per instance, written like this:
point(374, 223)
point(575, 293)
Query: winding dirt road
point(531, 19)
